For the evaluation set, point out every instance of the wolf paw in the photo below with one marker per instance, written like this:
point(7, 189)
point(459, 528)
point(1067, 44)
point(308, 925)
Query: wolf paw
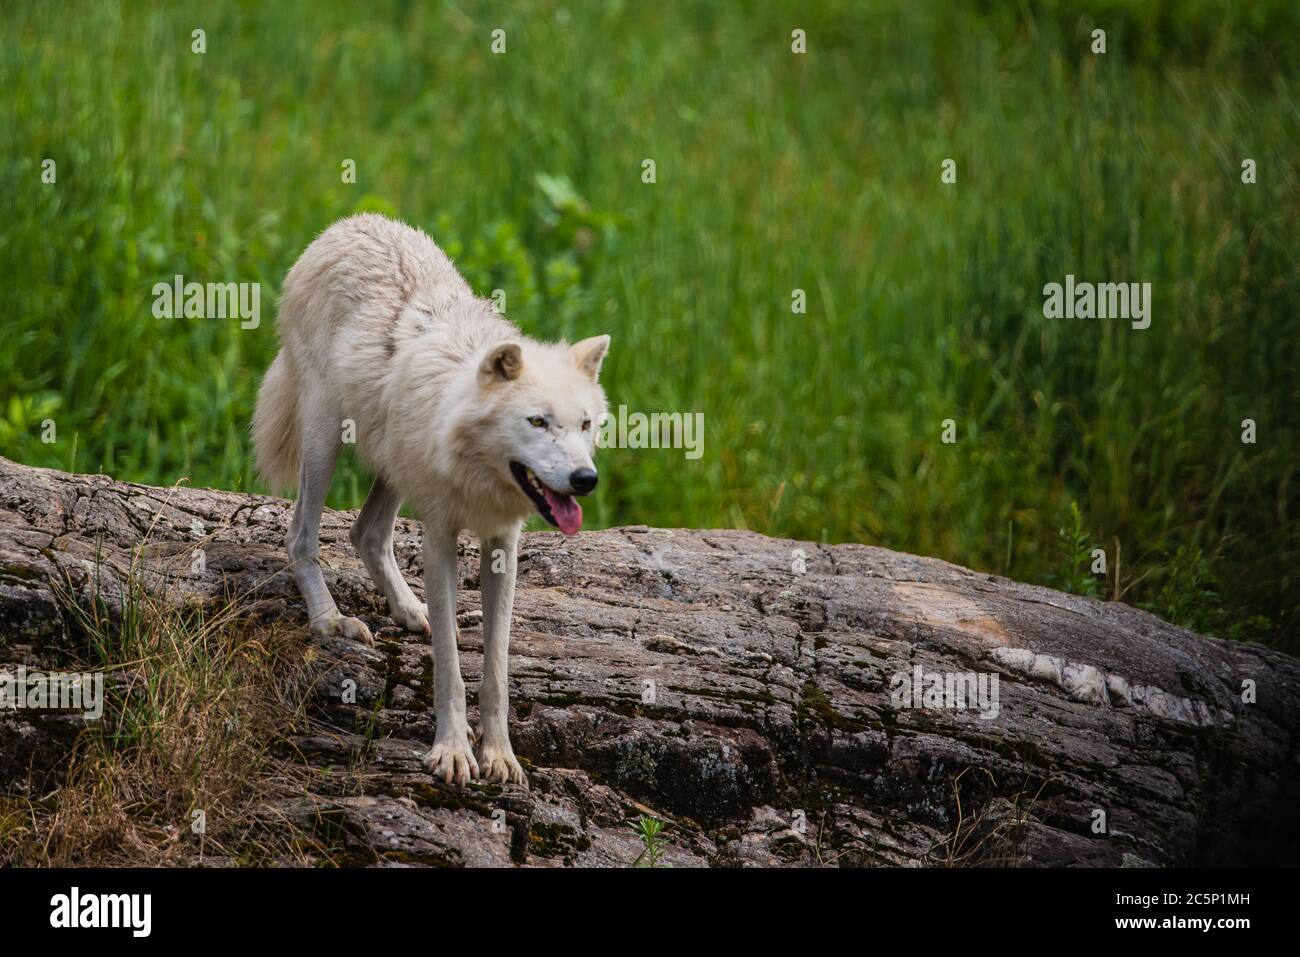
point(337, 626)
point(452, 762)
point(500, 765)
point(414, 618)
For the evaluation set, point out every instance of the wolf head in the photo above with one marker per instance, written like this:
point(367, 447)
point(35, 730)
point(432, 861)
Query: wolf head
point(543, 403)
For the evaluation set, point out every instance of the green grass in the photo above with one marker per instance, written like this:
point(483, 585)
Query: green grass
point(774, 172)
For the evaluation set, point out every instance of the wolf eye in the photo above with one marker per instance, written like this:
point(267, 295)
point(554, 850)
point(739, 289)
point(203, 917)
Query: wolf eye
point(537, 421)
point(586, 425)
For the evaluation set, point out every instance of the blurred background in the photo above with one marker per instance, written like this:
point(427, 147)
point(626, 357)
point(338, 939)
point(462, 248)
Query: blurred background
point(775, 171)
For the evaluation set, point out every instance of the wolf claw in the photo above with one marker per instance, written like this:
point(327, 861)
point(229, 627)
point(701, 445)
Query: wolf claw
point(338, 626)
point(500, 766)
point(452, 762)
point(414, 619)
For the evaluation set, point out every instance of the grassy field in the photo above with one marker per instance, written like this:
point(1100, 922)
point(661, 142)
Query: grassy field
point(775, 171)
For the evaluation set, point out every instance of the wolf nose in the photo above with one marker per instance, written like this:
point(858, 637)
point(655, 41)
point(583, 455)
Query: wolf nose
point(582, 481)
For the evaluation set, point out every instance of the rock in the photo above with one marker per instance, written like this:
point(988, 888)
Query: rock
point(693, 676)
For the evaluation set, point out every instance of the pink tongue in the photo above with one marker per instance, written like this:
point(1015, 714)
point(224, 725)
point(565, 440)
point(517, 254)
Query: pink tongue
point(567, 511)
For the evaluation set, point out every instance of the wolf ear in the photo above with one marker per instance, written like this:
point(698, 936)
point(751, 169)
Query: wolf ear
point(504, 362)
point(589, 354)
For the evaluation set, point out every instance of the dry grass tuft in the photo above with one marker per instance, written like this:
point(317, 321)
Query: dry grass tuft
point(992, 834)
point(175, 771)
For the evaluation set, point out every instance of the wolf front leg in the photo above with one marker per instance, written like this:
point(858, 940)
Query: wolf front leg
point(497, 563)
point(451, 757)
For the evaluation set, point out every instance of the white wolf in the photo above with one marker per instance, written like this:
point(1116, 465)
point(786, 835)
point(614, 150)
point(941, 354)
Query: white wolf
point(457, 413)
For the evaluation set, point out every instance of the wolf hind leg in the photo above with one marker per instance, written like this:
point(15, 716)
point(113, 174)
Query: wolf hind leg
point(372, 536)
point(319, 445)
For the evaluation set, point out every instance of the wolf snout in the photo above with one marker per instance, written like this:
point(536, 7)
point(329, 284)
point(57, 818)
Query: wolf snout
point(583, 480)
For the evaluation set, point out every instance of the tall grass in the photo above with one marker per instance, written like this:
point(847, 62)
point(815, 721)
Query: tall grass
point(774, 172)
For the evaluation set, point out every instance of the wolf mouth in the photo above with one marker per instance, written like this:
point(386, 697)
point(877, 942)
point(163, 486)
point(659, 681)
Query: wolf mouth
point(562, 511)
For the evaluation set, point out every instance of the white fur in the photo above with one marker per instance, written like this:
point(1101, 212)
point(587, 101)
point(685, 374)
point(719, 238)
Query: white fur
point(376, 326)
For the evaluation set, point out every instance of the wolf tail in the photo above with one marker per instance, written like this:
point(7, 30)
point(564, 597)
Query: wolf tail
point(275, 425)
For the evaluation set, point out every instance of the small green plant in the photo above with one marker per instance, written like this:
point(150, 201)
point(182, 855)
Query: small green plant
point(650, 830)
point(1194, 596)
point(1075, 574)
